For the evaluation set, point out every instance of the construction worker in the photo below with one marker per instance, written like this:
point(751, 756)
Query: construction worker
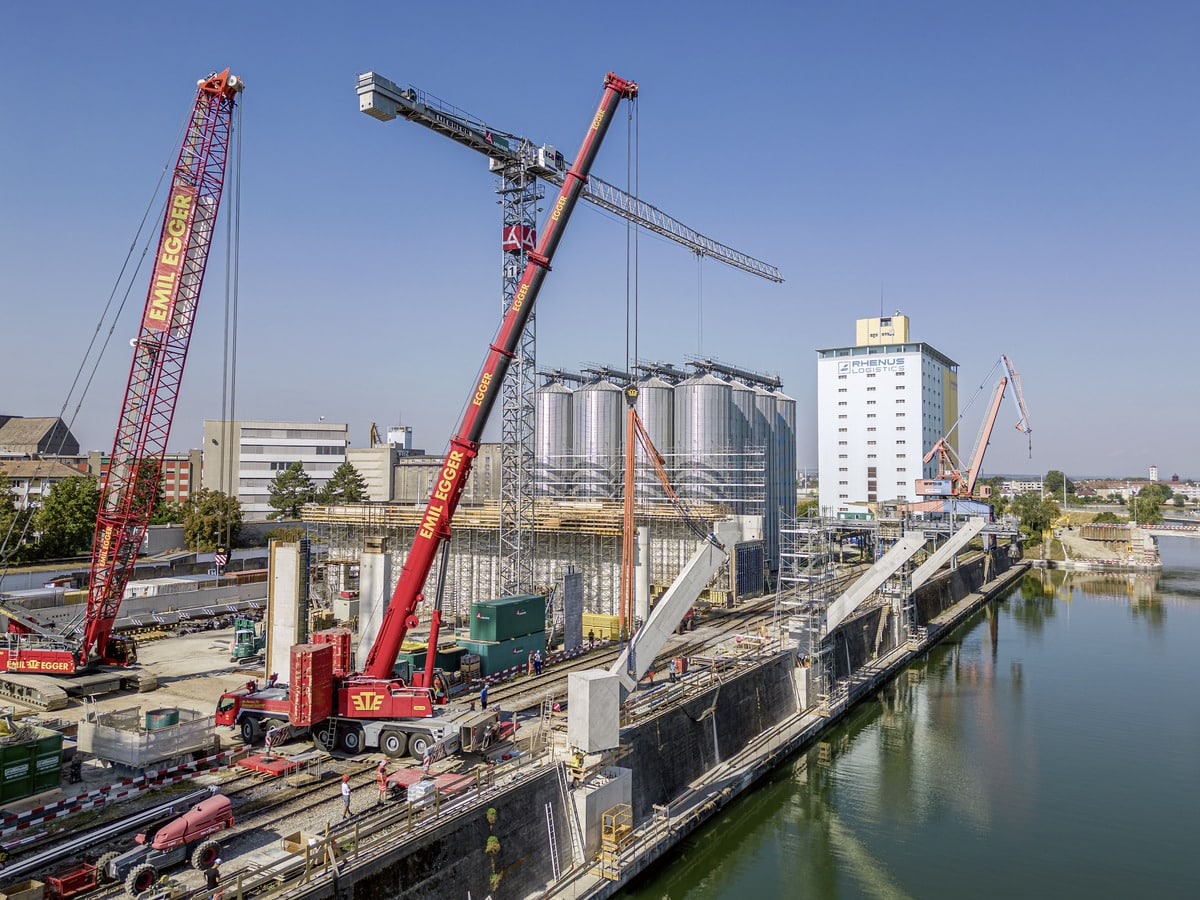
point(672, 669)
point(381, 780)
point(537, 662)
point(483, 697)
point(212, 879)
point(345, 796)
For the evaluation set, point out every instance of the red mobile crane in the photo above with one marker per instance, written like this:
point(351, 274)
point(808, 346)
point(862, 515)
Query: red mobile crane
point(953, 481)
point(160, 349)
point(366, 705)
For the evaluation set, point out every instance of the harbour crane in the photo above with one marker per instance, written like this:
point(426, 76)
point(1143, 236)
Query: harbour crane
point(955, 481)
point(519, 162)
point(159, 353)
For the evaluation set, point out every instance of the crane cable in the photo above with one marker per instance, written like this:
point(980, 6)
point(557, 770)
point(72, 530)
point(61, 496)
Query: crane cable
point(8, 547)
point(233, 222)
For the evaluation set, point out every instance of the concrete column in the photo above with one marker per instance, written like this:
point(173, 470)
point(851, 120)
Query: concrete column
point(641, 573)
point(374, 592)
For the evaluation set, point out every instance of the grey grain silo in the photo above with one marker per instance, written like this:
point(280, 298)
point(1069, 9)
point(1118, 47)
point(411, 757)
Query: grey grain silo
point(552, 454)
point(655, 406)
point(703, 435)
point(598, 421)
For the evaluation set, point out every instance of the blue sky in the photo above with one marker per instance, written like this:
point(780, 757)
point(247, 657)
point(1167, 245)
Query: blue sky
point(1018, 178)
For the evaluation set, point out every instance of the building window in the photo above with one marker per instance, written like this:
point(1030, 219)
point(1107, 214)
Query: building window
point(841, 431)
point(841, 390)
point(870, 415)
point(870, 456)
point(843, 482)
point(871, 388)
point(329, 451)
point(871, 428)
point(843, 469)
point(900, 456)
point(901, 387)
point(900, 441)
point(900, 427)
point(841, 378)
point(901, 469)
point(870, 443)
point(842, 443)
point(841, 456)
point(900, 400)
point(841, 403)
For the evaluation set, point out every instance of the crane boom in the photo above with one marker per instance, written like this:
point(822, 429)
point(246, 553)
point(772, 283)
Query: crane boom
point(160, 349)
point(385, 100)
point(434, 528)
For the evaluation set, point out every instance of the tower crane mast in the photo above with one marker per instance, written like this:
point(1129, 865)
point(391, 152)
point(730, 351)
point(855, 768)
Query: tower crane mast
point(520, 162)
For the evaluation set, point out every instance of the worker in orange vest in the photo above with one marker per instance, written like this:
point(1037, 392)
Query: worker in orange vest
point(381, 780)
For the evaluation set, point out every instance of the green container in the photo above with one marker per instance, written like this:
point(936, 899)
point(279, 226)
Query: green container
point(508, 617)
point(449, 659)
point(32, 766)
point(496, 656)
point(161, 718)
point(414, 659)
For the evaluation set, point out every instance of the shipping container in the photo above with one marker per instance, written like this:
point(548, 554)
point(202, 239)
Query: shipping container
point(311, 686)
point(496, 656)
point(30, 761)
point(449, 659)
point(508, 617)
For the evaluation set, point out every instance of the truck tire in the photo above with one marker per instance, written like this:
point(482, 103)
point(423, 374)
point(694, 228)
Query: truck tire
point(393, 743)
point(102, 866)
point(250, 730)
point(205, 855)
point(141, 878)
point(352, 739)
point(419, 743)
point(325, 736)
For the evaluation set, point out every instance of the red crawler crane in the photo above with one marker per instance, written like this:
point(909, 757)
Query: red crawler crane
point(160, 349)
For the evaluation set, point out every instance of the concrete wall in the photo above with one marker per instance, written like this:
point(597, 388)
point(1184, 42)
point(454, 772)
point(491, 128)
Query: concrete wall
point(450, 861)
point(676, 747)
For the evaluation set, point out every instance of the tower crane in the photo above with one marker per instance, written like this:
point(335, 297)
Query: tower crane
point(159, 352)
point(519, 162)
point(955, 481)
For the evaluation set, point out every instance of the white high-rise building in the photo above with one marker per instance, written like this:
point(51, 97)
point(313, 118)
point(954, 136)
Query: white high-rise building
point(243, 458)
point(881, 406)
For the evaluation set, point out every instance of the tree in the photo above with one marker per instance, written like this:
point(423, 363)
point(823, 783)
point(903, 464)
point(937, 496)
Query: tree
point(170, 512)
point(1036, 514)
point(290, 491)
point(1146, 505)
point(211, 517)
point(807, 507)
point(1052, 484)
point(66, 520)
point(346, 485)
point(12, 524)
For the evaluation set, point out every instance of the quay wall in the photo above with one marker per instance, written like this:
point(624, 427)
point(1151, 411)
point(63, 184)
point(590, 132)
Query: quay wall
point(688, 739)
point(450, 860)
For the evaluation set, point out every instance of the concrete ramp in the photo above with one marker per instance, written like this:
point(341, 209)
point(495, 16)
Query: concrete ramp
point(948, 550)
point(670, 610)
point(873, 579)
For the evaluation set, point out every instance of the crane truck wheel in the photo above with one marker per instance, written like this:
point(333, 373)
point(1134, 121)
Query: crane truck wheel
point(142, 878)
point(102, 866)
point(325, 737)
point(418, 744)
point(393, 743)
point(352, 739)
point(205, 855)
point(250, 730)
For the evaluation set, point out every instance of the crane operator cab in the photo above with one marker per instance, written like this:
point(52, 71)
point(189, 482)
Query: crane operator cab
point(121, 650)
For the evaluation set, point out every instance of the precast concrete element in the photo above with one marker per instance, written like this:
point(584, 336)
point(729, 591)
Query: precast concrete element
point(287, 625)
point(374, 592)
point(871, 580)
point(674, 604)
point(602, 792)
point(593, 710)
point(947, 551)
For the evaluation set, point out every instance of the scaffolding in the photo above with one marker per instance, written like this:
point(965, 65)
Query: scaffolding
point(583, 535)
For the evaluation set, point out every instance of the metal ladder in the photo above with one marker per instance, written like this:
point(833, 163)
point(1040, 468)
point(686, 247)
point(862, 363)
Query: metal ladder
point(577, 849)
point(553, 842)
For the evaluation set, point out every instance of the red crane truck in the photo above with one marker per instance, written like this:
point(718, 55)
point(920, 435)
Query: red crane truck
point(160, 350)
point(375, 708)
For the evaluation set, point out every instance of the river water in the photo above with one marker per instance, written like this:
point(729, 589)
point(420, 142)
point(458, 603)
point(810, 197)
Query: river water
point(1049, 748)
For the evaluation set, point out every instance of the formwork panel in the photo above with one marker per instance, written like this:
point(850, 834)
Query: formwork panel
point(121, 736)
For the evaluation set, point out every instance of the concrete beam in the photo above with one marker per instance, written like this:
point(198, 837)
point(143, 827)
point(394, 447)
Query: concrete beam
point(873, 579)
point(947, 551)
